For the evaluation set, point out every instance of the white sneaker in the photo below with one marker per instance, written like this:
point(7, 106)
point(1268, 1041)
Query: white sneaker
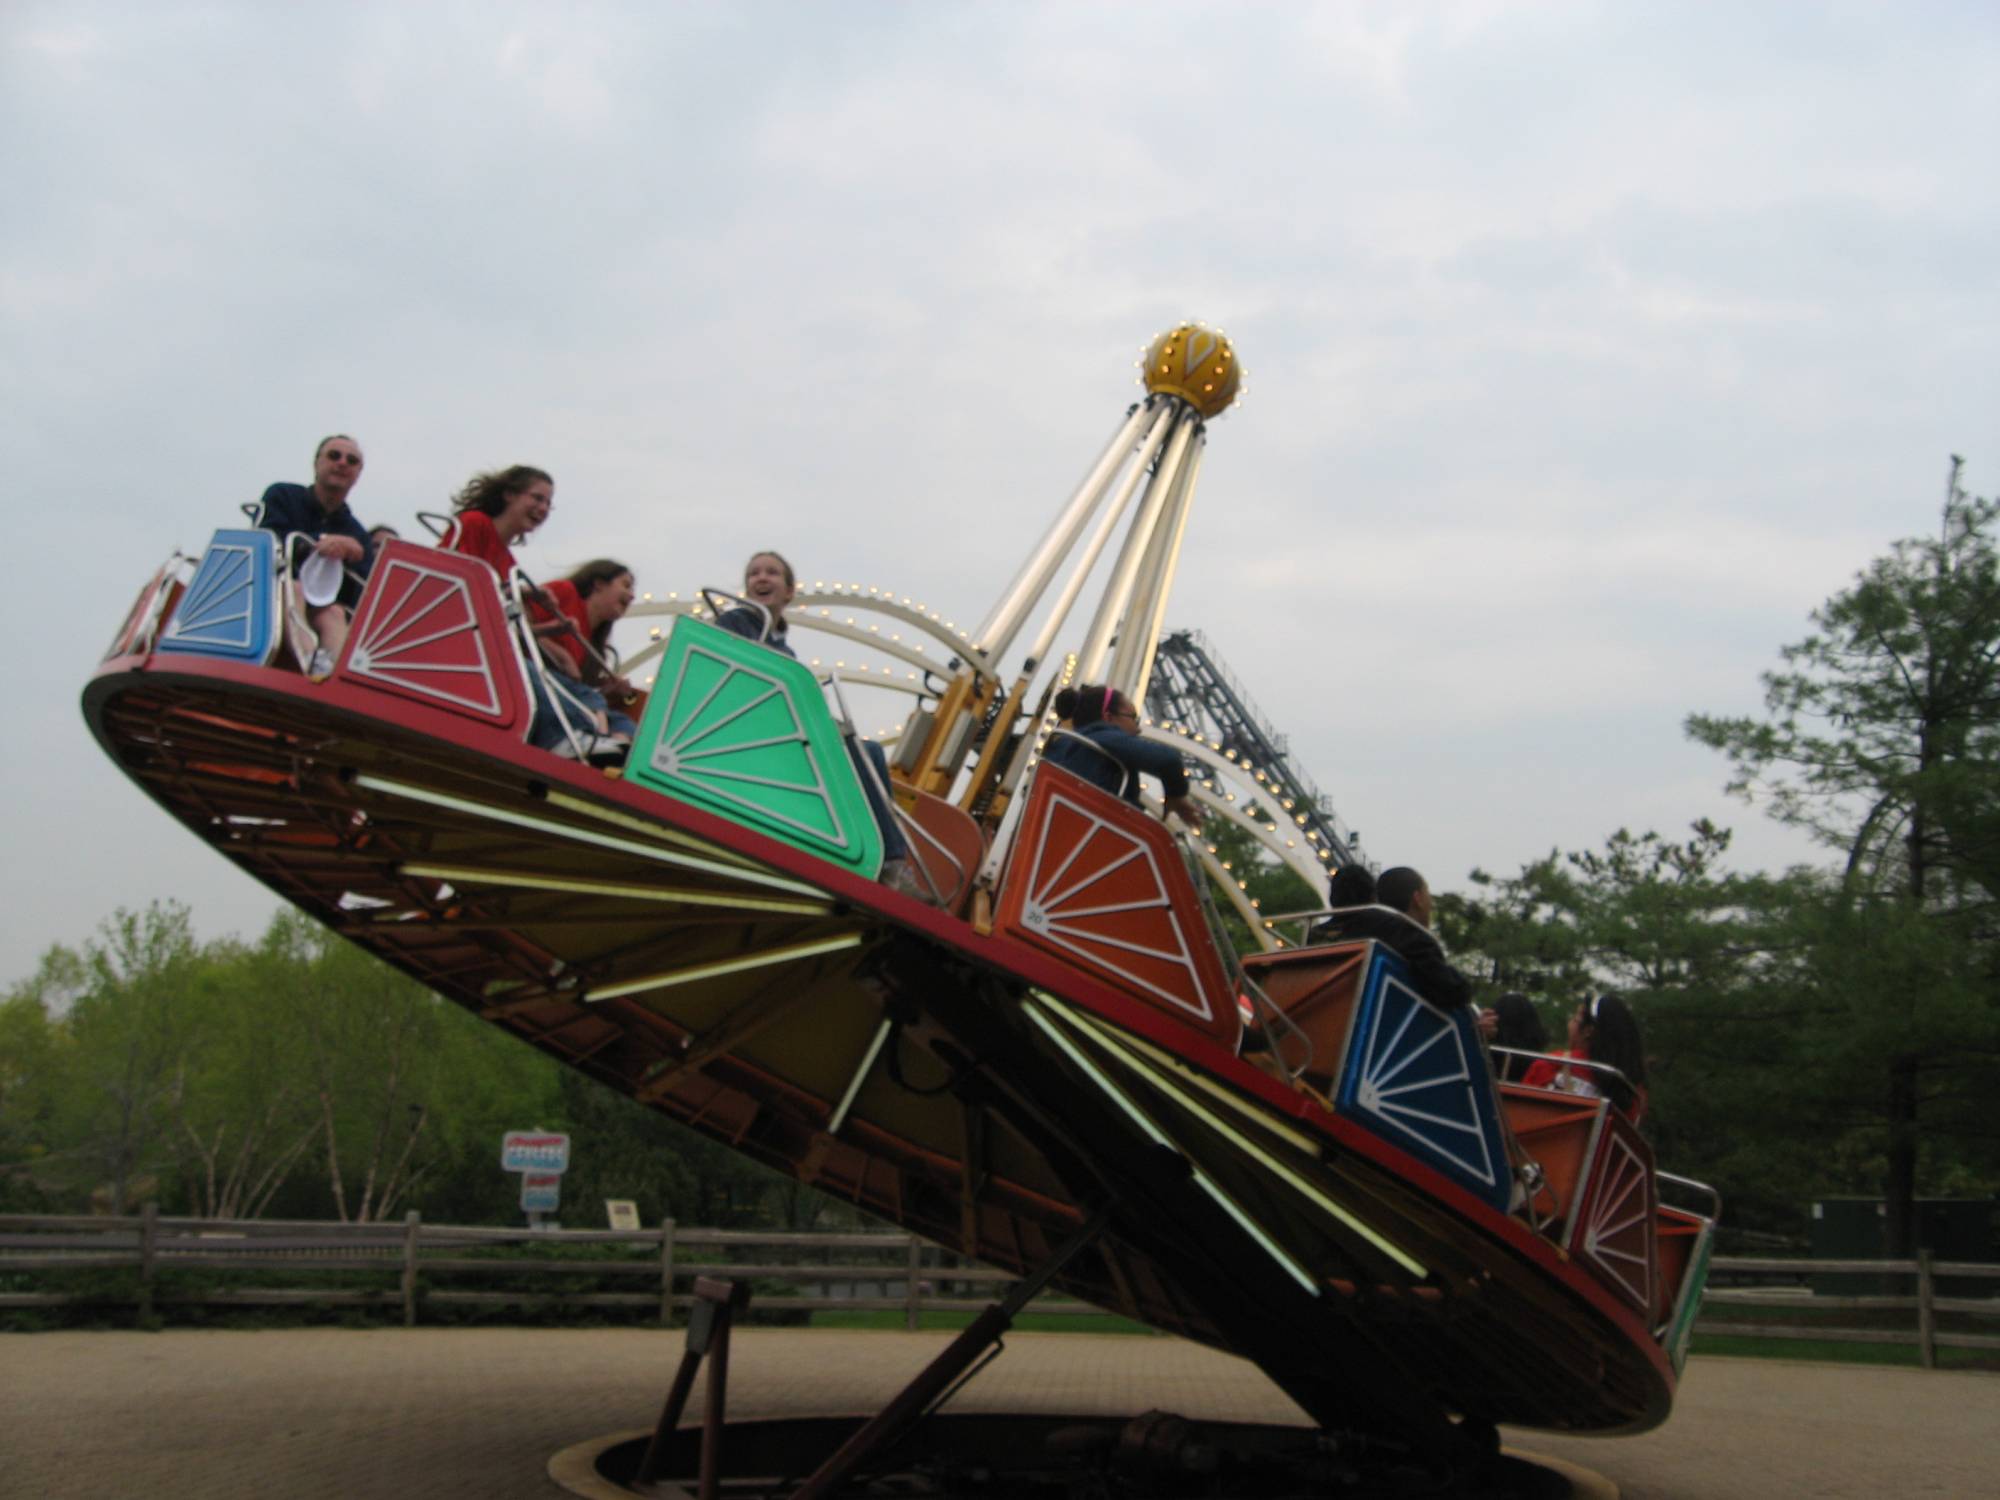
point(597, 749)
point(321, 666)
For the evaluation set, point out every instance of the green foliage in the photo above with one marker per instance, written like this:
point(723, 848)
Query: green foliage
point(1882, 736)
point(1810, 1033)
point(302, 1078)
point(1273, 886)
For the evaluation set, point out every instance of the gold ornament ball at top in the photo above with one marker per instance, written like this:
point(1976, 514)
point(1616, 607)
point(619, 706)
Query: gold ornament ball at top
point(1195, 363)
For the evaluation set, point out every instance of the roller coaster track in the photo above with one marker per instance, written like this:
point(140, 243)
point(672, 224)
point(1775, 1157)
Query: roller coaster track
point(1194, 693)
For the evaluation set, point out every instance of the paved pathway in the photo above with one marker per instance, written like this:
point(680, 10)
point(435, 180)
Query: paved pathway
point(357, 1414)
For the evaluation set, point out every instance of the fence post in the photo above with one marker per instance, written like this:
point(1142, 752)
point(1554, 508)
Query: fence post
point(1926, 1312)
point(411, 1223)
point(667, 1273)
point(149, 1240)
point(912, 1298)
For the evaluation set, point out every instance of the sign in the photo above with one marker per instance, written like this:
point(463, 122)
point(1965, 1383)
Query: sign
point(541, 1192)
point(622, 1212)
point(534, 1151)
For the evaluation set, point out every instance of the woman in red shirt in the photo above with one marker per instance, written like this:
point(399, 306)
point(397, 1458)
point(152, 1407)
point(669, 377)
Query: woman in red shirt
point(577, 637)
point(1601, 1030)
point(497, 510)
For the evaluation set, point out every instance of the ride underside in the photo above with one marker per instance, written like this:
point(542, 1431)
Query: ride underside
point(1043, 1067)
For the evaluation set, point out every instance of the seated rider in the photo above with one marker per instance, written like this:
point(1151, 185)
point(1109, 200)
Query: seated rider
point(1104, 747)
point(319, 510)
point(494, 513)
point(769, 580)
point(576, 639)
point(1400, 919)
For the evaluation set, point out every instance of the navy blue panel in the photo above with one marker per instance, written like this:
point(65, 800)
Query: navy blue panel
point(230, 607)
point(1415, 1076)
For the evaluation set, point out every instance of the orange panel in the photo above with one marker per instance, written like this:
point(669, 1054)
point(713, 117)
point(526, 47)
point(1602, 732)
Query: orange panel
point(954, 848)
point(1317, 989)
point(1675, 1236)
point(1556, 1130)
point(1101, 885)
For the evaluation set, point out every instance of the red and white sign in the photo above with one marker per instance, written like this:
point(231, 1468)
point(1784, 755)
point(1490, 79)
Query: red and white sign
point(534, 1151)
point(541, 1192)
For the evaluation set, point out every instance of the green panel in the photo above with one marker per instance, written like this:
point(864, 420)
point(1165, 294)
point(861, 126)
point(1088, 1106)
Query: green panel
point(744, 732)
point(1692, 1286)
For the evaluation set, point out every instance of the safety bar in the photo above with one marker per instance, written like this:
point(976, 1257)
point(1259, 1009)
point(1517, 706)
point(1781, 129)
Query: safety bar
point(1566, 1062)
point(1714, 1197)
point(709, 596)
point(866, 767)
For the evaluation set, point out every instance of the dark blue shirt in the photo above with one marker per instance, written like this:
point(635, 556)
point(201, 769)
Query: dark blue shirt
point(289, 508)
point(749, 623)
point(1113, 760)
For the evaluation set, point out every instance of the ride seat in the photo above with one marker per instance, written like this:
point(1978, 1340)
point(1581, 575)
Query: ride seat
point(431, 628)
point(1099, 884)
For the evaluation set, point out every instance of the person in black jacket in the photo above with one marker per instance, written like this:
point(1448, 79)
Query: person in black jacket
point(1400, 919)
point(320, 511)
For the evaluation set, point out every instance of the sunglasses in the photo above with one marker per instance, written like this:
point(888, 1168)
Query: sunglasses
point(343, 458)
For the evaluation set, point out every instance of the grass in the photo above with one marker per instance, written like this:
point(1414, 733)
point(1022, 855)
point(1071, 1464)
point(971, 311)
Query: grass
point(952, 1322)
point(1837, 1351)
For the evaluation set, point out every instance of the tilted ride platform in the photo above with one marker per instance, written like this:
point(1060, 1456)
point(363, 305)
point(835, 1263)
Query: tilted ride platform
point(1042, 1069)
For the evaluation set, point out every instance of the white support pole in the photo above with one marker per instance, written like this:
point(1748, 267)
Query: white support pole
point(1014, 606)
point(1118, 592)
point(1146, 639)
point(1094, 548)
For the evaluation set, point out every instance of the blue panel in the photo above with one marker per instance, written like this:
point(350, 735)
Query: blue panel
point(1416, 1076)
point(230, 607)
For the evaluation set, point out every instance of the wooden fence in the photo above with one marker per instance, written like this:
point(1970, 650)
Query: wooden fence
point(862, 1272)
point(874, 1272)
point(1787, 1286)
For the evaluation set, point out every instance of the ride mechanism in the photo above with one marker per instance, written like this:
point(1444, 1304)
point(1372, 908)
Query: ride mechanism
point(1056, 1065)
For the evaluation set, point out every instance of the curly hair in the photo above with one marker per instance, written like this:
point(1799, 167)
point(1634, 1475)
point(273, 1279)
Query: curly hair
point(488, 493)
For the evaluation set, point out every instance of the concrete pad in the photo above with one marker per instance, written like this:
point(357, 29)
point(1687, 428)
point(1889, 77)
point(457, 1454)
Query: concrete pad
point(479, 1412)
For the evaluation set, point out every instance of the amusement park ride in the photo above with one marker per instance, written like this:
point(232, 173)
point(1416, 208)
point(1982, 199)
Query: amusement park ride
point(1043, 1066)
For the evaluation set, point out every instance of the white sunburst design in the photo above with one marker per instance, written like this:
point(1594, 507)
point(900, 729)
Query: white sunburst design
point(1425, 1051)
point(1621, 1205)
point(680, 754)
point(1044, 912)
point(219, 604)
point(387, 652)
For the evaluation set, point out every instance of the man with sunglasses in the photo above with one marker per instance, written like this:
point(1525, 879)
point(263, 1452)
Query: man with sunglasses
point(320, 511)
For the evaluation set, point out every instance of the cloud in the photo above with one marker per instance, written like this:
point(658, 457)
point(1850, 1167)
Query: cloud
point(1588, 347)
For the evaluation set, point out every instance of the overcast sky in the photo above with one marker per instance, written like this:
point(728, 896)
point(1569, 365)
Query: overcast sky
point(1588, 346)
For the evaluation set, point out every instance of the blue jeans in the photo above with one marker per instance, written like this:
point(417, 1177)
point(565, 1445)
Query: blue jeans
point(547, 730)
point(893, 843)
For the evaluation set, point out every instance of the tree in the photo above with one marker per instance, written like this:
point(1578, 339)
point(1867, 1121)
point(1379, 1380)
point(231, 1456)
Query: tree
point(34, 1072)
point(127, 1025)
point(1879, 737)
point(244, 1115)
point(1271, 885)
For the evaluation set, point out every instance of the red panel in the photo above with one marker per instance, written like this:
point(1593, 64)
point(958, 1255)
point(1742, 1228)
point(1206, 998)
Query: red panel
point(1101, 885)
point(142, 624)
point(431, 627)
point(1613, 1227)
